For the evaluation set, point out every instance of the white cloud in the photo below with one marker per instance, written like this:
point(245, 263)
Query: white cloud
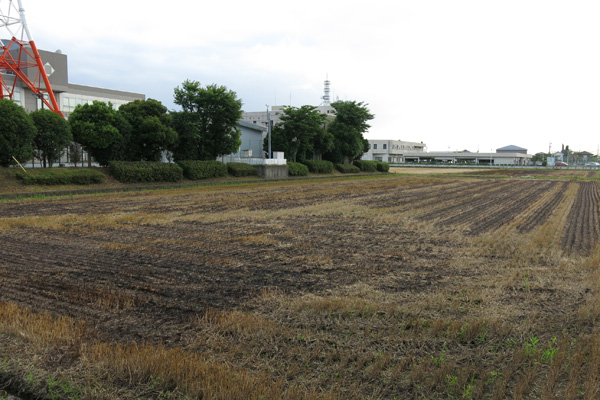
point(459, 74)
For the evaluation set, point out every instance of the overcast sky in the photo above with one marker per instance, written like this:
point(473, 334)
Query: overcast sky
point(455, 74)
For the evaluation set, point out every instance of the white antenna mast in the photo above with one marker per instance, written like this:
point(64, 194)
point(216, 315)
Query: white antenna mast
point(326, 99)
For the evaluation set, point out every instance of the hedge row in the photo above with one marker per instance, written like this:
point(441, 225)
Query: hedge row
point(297, 169)
point(140, 172)
point(319, 167)
point(241, 169)
point(193, 169)
point(366, 165)
point(383, 166)
point(347, 168)
point(61, 176)
point(143, 171)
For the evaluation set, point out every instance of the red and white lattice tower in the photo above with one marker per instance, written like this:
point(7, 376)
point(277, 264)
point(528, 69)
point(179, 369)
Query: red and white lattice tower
point(18, 53)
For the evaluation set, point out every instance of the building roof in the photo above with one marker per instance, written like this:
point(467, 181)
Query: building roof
point(250, 125)
point(511, 148)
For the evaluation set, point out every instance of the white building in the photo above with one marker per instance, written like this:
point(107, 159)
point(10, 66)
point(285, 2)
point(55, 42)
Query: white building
point(508, 155)
point(392, 151)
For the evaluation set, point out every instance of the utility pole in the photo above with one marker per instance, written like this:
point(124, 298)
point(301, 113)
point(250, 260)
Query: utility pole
point(269, 130)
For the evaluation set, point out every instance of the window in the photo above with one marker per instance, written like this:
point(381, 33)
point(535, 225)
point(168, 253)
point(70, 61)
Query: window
point(39, 103)
point(384, 146)
point(16, 96)
point(375, 146)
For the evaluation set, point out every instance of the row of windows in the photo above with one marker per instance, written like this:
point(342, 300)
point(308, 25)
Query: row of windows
point(69, 102)
point(397, 147)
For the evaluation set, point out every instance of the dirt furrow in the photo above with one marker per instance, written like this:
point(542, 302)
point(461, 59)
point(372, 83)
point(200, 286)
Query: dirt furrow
point(582, 232)
point(507, 210)
point(469, 209)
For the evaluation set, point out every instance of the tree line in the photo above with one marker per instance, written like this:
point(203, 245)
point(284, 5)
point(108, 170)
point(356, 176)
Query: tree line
point(205, 128)
point(306, 134)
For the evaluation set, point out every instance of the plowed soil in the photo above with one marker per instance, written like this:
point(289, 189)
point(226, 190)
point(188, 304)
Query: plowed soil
point(444, 253)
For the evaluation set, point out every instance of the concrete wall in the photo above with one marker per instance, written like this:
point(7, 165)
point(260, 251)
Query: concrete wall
point(272, 171)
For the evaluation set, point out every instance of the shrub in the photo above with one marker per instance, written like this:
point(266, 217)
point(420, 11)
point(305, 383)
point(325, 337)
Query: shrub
point(193, 169)
point(297, 169)
point(347, 168)
point(143, 171)
point(383, 166)
point(366, 165)
point(319, 167)
point(61, 177)
point(241, 169)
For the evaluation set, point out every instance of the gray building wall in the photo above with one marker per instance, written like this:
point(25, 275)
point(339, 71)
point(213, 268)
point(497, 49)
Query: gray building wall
point(68, 95)
point(252, 137)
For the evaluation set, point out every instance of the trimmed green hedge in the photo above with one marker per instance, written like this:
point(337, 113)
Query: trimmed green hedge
point(366, 165)
point(347, 168)
point(319, 167)
point(61, 176)
point(193, 169)
point(383, 166)
point(297, 169)
point(144, 171)
point(241, 169)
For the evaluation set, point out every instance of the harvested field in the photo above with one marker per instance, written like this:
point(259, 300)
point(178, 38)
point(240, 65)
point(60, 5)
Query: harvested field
point(541, 172)
point(374, 287)
point(439, 170)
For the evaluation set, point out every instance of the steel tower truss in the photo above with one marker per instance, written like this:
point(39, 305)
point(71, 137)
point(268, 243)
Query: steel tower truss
point(18, 54)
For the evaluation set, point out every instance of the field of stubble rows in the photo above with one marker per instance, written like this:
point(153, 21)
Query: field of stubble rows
point(406, 287)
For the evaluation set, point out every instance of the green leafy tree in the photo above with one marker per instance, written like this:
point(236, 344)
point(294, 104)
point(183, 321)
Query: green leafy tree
point(75, 155)
point(151, 132)
point(52, 137)
point(16, 133)
point(301, 134)
point(99, 128)
point(207, 126)
point(347, 128)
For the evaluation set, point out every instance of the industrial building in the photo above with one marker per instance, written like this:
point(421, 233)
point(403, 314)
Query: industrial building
point(398, 151)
